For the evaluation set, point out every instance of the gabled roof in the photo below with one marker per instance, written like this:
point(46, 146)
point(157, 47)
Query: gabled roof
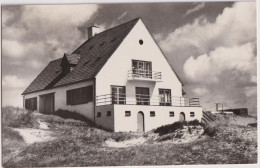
point(94, 53)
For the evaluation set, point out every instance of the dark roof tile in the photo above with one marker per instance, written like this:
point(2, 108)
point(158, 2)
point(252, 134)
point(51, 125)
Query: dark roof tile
point(92, 57)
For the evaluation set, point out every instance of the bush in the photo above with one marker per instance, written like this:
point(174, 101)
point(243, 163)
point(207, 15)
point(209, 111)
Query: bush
point(15, 116)
point(166, 129)
point(210, 129)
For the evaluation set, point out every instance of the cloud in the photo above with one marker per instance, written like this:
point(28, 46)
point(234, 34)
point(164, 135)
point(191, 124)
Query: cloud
point(33, 35)
point(250, 91)
point(195, 9)
point(13, 48)
point(208, 67)
point(12, 81)
point(236, 25)
point(200, 91)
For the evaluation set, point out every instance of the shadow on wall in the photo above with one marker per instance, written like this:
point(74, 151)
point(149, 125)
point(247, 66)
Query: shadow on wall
point(72, 115)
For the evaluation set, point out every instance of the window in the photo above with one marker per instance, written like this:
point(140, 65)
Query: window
point(152, 113)
point(192, 114)
point(142, 69)
point(127, 113)
point(108, 113)
point(171, 113)
point(142, 96)
point(80, 95)
point(98, 114)
point(31, 104)
point(141, 42)
point(165, 97)
point(118, 94)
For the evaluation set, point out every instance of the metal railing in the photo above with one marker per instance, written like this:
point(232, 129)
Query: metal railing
point(140, 99)
point(144, 74)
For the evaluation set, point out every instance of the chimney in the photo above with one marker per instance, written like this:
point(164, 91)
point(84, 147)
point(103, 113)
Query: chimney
point(92, 31)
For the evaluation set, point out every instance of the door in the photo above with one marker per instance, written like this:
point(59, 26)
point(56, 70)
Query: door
point(165, 97)
point(118, 94)
point(47, 103)
point(142, 96)
point(140, 122)
point(182, 116)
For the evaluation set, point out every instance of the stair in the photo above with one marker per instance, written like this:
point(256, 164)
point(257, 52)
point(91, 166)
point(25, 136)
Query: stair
point(207, 117)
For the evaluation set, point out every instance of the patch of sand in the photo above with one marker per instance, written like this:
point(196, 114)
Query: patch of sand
point(31, 135)
point(124, 144)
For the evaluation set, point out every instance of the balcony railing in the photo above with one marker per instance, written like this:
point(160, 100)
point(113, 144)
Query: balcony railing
point(137, 74)
point(140, 99)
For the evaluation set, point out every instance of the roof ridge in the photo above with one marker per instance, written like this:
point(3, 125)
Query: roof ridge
point(104, 32)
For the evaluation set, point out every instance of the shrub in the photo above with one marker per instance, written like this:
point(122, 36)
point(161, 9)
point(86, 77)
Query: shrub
point(15, 116)
point(166, 129)
point(210, 129)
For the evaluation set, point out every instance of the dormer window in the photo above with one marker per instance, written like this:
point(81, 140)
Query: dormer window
point(68, 62)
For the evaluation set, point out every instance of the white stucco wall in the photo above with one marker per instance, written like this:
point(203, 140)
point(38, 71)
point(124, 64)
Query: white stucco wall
point(86, 109)
point(162, 117)
point(115, 70)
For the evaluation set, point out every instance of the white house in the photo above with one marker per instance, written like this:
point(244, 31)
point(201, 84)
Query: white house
point(118, 78)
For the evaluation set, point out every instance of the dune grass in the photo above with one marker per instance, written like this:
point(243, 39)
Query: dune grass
point(82, 145)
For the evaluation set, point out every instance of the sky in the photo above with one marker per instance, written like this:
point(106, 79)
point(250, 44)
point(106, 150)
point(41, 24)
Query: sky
point(211, 45)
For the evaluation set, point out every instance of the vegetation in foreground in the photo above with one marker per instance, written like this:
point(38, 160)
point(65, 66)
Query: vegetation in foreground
point(77, 144)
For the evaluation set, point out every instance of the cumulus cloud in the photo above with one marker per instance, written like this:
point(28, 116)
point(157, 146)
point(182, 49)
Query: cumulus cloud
point(33, 35)
point(234, 26)
point(200, 91)
point(207, 67)
point(12, 81)
point(250, 91)
point(195, 9)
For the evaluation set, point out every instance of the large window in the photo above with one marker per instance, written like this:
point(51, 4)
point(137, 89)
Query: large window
point(80, 95)
point(142, 96)
point(118, 94)
point(142, 68)
point(165, 97)
point(31, 104)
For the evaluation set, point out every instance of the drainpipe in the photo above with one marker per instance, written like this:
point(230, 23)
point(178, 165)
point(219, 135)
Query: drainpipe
point(94, 100)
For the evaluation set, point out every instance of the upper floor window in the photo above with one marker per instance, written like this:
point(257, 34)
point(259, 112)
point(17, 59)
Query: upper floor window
point(80, 95)
point(142, 68)
point(118, 94)
point(31, 104)
point(165, 97)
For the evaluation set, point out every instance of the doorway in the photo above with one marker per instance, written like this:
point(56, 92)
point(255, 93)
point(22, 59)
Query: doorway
point(140, 121)
point(182, 116)
point(47, 103)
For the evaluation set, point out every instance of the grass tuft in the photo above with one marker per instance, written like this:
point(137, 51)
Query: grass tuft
point(15, 116)
point(166, 129)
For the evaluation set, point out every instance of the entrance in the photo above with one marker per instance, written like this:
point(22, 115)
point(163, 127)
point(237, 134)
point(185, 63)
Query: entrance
point(182, 116)
point(47, 103)
point(140, 122)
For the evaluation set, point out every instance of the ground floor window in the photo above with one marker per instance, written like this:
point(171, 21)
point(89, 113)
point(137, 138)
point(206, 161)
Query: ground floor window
point(108, 113)
point(171, 113)
point(31, 104)
point(192, 114)
point(127, 113)
point(98, 114)
point(152, 113)
point(80, 95)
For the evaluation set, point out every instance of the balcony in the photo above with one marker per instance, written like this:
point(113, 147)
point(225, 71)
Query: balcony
point(146, 100)
point(144, 75)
